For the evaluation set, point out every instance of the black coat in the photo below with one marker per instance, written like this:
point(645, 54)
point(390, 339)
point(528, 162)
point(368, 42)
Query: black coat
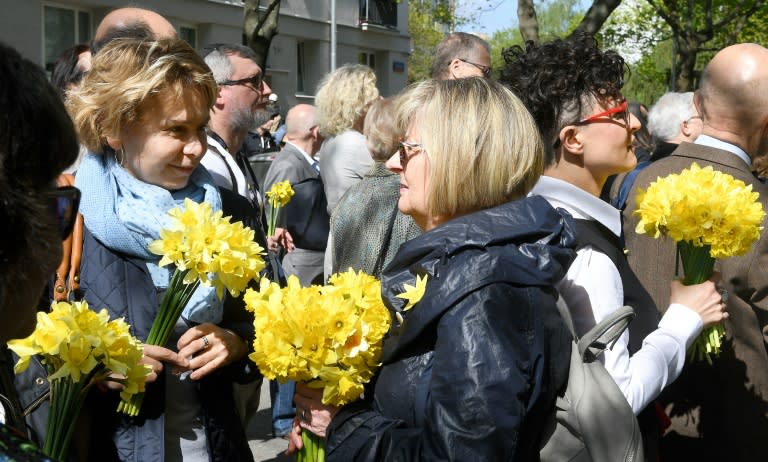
point(474, 369)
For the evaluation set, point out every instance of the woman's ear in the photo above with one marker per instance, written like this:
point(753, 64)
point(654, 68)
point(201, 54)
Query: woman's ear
point(115, 143)
point(570, 140)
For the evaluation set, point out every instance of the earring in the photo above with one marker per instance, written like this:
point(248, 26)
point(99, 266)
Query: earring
point(119, 156)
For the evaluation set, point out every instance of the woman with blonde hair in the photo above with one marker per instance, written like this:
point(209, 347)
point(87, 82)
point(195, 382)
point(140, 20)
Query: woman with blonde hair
point(342, 100)
point(366, 226)
point(472, 370)
point(142, 112)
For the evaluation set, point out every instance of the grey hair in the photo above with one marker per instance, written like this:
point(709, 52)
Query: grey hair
point(668, 113)
point(216, 56)
point(456, 45)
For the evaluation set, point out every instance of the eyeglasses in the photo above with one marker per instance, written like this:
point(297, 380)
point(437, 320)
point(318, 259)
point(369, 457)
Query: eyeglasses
point(688, 120)
point(255, 80)
point(486, 70)
point(65, 201)
point(404, 149)
point(620, 110)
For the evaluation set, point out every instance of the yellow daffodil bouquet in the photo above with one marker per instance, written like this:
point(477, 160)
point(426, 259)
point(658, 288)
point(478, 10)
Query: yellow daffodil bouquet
point(710, 215)
point(327, 336)
point(207, 249)
point(79, 348)
point(279, 195)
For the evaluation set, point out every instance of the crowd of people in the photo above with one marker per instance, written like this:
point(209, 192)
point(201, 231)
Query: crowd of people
point(506, 194)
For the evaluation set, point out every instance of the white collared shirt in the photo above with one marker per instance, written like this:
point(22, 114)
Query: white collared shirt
point(592, 289)
point(307, 157)
point(706, 140)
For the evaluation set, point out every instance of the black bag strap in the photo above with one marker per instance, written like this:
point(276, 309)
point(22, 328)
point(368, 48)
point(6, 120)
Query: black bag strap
point(601, 337)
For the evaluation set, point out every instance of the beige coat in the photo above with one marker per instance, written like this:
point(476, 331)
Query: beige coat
point(718, 412)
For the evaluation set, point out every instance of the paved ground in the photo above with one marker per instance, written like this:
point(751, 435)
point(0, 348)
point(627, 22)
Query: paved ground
point(266, 448)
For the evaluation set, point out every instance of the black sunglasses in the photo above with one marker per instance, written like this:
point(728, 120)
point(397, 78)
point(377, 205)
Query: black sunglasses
point(256, 81)
point(65, 202)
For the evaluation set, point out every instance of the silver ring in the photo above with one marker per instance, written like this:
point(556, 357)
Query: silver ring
point(724, 295)
point(206, 343)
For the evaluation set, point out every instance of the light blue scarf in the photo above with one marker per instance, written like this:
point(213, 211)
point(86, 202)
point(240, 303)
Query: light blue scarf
point(126, 214)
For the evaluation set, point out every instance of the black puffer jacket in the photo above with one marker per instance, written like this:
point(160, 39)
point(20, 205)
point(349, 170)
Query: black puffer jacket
point(474, 369)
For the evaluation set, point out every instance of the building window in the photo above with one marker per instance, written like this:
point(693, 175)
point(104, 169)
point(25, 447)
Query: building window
point(300, 67)
point(188, 34)
point(366, 58)
point(63, 28)
point(378, 13)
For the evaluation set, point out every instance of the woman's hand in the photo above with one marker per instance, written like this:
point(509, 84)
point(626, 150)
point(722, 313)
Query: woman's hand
point(704, 299)
point(155, 356)
point(311, 415)
point(208, 348)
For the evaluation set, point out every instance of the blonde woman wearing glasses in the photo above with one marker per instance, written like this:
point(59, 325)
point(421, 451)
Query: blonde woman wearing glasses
point(474, 367)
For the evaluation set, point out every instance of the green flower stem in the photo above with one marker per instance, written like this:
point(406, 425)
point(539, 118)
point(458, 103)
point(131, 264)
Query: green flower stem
point(273, 214)
point(175, 299)
point(697, 263)
point(698, 266)
point(314, 448)
point(67, 399)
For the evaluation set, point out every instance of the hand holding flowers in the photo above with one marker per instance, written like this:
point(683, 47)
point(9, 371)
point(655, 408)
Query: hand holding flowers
point(709, 214)
point(207, 249)
point(279, 195)
point(327, 336)
point(80, 348)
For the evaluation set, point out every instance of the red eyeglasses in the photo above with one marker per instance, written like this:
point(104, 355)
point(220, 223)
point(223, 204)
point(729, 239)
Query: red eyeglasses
point(621, 109)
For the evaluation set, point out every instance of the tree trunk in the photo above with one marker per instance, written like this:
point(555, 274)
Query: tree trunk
point(596, 16)
point(260, 27)
point(529, 24)
point(686, 65)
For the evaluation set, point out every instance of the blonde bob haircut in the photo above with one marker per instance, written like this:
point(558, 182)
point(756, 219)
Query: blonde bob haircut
point(381, 135)
point(125, 73)
point(343, 97)
point(481, 143)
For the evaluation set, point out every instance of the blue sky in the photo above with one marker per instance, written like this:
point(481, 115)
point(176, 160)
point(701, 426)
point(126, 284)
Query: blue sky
point(496, 15)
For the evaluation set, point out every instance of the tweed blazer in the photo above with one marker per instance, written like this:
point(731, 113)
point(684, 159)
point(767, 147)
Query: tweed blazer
point(719, 412)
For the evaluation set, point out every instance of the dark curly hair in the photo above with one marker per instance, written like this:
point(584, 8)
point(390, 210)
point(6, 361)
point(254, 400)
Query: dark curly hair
point(558, 79)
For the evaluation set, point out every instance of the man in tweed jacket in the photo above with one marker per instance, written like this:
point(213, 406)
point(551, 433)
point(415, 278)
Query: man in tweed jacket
point(719, 411)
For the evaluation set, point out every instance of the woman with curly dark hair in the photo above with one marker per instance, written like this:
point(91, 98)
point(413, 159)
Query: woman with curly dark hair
point(573, 90)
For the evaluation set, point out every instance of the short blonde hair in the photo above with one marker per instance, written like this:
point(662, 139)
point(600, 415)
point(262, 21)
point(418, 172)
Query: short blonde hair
point(343, 97)
point(380, 131)
point(482, 144)
point(125, 73)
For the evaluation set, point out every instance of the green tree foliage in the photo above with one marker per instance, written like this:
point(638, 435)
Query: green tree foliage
point(695, 31)
point(427, 26)
point(556, 18)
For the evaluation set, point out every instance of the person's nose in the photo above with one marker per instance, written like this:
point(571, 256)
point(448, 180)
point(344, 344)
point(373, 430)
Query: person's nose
point(634, 123)
point(393, 163)
point(196, 146)
point(266, 90)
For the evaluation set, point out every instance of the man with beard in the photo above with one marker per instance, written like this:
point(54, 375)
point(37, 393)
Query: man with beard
point(240, 105)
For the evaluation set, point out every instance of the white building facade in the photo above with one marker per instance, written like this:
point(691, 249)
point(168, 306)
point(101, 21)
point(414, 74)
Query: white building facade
point(372, 32)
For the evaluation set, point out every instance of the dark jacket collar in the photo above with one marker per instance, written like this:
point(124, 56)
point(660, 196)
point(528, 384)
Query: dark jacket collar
point(525, 242)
